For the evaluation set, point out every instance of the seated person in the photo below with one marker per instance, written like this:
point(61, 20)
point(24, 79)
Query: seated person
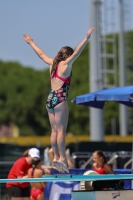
point(100, 164)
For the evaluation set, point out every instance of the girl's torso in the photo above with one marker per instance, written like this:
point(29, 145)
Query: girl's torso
point(35, 175)
point(63, 71)
point(99, 170)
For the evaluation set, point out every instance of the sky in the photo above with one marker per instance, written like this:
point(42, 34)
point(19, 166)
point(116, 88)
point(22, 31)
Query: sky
point(51, 23)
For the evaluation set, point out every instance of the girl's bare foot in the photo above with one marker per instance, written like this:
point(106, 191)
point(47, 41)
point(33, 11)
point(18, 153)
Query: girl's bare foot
point(63, 165)
point(58, 166)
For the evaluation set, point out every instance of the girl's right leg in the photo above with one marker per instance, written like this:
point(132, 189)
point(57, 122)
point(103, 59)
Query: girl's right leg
point(53, 137)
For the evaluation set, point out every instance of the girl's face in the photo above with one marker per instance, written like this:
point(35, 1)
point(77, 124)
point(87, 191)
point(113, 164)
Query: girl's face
point(96, 158)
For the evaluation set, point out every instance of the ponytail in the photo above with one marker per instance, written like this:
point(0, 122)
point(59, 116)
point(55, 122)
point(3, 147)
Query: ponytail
point(35, 162)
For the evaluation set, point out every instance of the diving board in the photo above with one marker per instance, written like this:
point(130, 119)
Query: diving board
point(70, 177)
point(86, 195)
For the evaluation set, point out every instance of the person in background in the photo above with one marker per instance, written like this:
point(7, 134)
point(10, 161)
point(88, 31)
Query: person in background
point(16, 190)
point(100, 164)
point(70, 162)
point(60, 76)
point(37, 188)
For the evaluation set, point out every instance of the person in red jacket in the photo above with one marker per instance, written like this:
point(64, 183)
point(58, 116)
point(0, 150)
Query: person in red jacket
point(16, 190)
point(100, 164)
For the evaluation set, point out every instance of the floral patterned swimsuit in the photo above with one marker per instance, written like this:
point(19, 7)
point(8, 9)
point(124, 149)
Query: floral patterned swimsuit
point(57, 96)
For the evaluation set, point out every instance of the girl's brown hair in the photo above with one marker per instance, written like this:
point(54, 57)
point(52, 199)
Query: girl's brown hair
point(25, 154)
point(35, 162)
point(61, 55)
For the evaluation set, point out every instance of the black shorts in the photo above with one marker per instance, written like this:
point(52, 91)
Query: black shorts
point(15, 191)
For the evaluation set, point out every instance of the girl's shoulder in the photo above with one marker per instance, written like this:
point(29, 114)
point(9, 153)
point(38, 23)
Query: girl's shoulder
point(39, 170)
point(106, 166)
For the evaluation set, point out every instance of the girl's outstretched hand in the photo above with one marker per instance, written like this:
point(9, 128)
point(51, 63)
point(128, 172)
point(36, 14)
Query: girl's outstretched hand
point(89, 32)
point(27, 38)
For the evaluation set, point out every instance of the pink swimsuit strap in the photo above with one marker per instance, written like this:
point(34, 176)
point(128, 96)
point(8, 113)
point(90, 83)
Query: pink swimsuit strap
point(55, 75)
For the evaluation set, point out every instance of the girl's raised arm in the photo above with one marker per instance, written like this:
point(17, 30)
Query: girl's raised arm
point(38, 51)
point(80, 47)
